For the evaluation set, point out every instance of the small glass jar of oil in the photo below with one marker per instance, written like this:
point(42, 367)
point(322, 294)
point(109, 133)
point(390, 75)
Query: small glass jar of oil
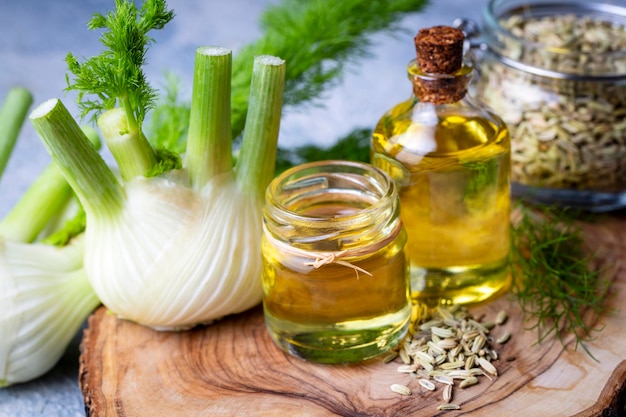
point(450, 157)
point(335, 277)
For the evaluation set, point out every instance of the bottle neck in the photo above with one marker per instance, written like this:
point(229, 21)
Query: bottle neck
point(439, 88)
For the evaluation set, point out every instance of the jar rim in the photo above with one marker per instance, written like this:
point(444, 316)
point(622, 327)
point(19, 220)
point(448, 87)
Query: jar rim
point(495, 10)
point(385, 187)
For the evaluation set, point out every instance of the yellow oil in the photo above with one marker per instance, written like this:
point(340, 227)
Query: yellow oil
point(335, 314)
point(452, 165)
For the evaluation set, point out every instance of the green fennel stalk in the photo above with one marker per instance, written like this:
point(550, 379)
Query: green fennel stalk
point(48, 194)
point(44, 199)
point(257, 159)
point(209, 146)
point(12, 115)
point(209, 143)
point(92, 180)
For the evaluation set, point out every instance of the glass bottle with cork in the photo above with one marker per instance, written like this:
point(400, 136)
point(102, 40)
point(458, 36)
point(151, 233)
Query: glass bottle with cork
point(450, 157)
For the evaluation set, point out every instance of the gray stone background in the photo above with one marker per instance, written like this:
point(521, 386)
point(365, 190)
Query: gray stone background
point(36, 35)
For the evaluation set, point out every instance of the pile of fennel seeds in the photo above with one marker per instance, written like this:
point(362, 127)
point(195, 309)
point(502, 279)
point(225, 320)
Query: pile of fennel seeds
point(446, 348)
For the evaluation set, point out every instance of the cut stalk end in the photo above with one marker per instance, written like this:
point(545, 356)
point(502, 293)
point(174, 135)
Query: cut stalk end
point(130, 148)
point(79, 161)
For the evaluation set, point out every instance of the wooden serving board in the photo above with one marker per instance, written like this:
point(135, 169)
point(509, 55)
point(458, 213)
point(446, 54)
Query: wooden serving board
point(232, 368)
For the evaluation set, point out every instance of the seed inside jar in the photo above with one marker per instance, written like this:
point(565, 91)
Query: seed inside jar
point(565, 133)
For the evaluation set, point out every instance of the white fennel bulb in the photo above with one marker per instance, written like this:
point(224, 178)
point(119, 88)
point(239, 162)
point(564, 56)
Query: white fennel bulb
point(174, 257)
point(44, 293)
point(181, 248)
point(45, 297)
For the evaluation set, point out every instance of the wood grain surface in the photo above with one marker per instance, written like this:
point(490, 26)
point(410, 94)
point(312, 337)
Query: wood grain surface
point(233, 368)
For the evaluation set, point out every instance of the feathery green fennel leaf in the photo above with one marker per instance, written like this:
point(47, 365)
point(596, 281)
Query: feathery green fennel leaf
point(115, 76)
point(317, 38)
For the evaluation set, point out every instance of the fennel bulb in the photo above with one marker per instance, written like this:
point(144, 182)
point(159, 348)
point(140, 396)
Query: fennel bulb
point(174, 257)
point(44, 299)
point(44, 293)
point(181, 248)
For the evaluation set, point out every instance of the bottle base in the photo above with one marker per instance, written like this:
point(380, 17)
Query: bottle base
point(459, 284)
point(336, 343)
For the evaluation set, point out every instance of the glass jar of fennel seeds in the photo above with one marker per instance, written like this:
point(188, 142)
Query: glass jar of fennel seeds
point(555, 70)
point(335, 276)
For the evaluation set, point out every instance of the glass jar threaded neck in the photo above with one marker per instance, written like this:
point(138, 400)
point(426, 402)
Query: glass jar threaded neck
point(332, 206)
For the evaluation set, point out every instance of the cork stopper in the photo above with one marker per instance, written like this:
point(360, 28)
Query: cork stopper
point(439, 56)
point(439, 49)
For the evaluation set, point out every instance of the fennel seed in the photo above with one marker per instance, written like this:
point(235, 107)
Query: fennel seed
point(459, 374)
point(422, 373)
point(406, 369)
point(400, 389)
point(481, 327)
point(501, 317)
point(425, 356)
point(504, 338)
point(442, 332)
point(447, 393)
point(444, 379)
point(447, 345)
point(429, 324)
point(429, 385)
point(487, 366)
point(452, 365)
point(470, 335)
point(447, 407)
point(468, 382)
point(404, 356)
point(479, 342)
